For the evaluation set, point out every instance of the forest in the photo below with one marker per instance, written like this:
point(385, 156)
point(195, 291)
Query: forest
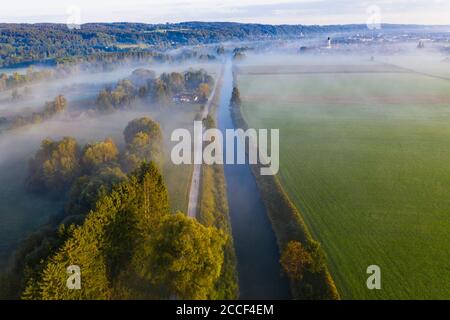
point(115, 225)
point(45, 42)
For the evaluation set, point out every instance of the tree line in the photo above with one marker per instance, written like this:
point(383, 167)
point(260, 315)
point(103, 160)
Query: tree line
point(20, 43)
point(51, 109)
point(160, 90)
point(116, 226)
point(58, 164)
point(131, 247)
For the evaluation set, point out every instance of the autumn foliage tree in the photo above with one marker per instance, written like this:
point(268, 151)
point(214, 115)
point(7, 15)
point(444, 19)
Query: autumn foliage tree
point(298, 259)
point(203, 92)
point(117, 228)
point(143, 138)
point(56, 106)
point(55, 166)
point(130, 246)
point(295, 260)
point(100, 153)
point(174, 81)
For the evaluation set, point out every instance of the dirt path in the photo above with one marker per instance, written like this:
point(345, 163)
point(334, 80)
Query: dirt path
point(194, 190)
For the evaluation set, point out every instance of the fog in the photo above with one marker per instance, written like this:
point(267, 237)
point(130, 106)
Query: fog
point(22, 212)
point(81, 86)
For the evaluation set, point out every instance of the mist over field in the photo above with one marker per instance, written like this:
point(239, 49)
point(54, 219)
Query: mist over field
point(363, 156)
point(363, 120)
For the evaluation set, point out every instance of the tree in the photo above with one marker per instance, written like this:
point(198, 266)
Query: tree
point(122, 96)
point(144, 143)
point(318, 257)
point(103, 102)
point(209, 122)
point(141, 76)
point(236, 98)
point(131, 246)
point(185, 257)
point(104, 245)
point(145, 125)
point(220, 50)
point(174, 81)
point(87, 190)
point(56, 106)
point(193, 79)
point(55, 165)
point(98, 154)
point(203, 92)
point(296, 260)
point(51, 109)
point(159, 92)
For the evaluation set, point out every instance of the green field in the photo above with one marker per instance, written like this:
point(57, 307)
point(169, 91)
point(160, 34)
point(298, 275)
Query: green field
point(366, 158)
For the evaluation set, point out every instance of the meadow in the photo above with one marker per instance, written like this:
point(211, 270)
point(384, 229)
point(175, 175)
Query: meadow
point(365, 158)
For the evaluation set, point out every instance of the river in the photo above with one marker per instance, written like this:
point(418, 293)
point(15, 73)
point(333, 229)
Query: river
point(254, 240)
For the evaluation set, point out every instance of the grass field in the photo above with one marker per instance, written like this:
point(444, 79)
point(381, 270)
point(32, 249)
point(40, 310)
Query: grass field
point(366, 158)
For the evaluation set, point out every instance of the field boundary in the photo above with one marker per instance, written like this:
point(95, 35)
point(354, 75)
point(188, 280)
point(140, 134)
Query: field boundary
point(288, 225)
point(321, 69)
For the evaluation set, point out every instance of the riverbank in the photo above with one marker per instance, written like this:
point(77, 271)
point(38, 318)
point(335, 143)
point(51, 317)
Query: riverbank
point(213, 210)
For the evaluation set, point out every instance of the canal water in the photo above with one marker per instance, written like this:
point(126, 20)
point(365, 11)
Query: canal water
point(254, 240)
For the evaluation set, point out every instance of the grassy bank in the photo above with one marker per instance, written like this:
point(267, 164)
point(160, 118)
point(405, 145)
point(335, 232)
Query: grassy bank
point(213, 211)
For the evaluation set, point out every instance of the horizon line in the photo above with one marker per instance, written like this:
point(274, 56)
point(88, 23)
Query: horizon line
point(228, 22)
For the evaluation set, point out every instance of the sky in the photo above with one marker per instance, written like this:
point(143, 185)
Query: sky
point(320, 12)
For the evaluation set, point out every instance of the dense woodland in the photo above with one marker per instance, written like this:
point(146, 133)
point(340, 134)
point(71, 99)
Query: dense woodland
point(46, 42)
point(41, 42)
point(116, 226)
